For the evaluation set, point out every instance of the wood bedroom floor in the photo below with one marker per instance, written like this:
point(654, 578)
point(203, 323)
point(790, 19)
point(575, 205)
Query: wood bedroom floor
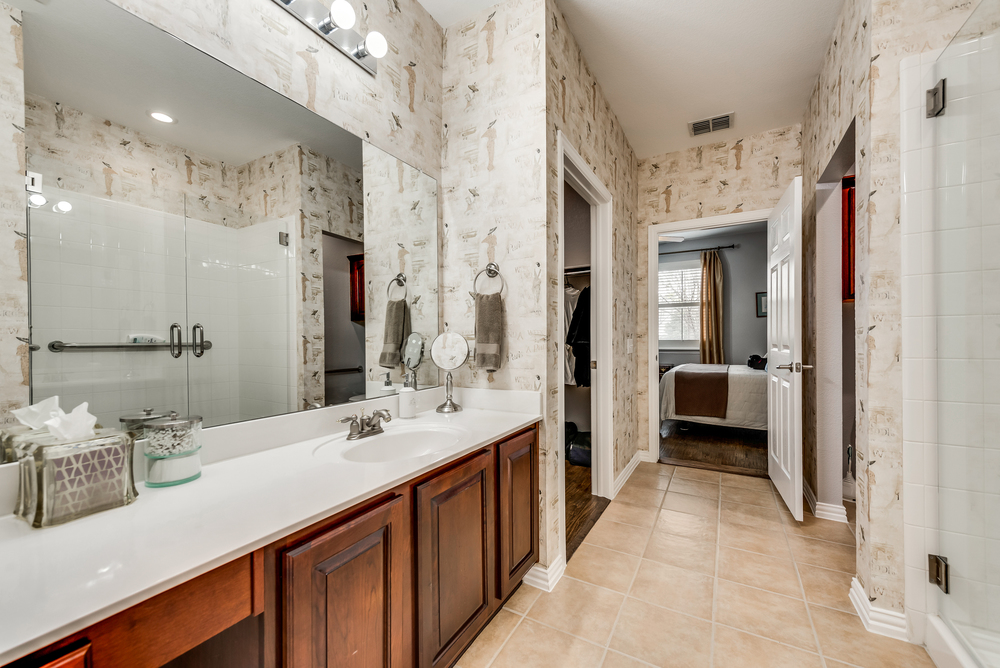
point(583, 509)
point(726, 449)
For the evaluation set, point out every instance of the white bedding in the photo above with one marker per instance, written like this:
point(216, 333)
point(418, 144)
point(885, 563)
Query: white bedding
point(747, 405)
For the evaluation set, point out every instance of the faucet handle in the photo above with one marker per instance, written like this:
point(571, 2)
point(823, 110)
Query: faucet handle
point(351, 418)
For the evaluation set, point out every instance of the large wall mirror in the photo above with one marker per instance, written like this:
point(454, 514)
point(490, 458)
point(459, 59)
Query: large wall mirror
point(202, 243)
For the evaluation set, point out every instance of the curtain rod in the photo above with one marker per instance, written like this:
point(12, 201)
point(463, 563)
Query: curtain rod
point(698, 250)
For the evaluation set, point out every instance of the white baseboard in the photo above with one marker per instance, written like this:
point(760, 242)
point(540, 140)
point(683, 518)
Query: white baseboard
point(546, 577)
point(807, 492)
point(876, 620)
point(824, 511)
point(624, 475)
point(945, 648)
point(647, 456)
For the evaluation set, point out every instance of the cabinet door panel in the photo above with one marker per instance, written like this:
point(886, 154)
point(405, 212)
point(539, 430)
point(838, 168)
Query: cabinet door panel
point(518, 496)
point(455, 558)
point(344, 593)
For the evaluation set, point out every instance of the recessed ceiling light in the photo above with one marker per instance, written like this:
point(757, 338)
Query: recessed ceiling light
point(161, 117)
point(62, 207)
point(36, 201)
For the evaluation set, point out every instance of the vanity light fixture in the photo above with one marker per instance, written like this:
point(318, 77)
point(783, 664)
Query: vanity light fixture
point(37, 201)
point(374, 44)
point(335, 24)
point(341, 17)
point(161, 117)
point(62, 207)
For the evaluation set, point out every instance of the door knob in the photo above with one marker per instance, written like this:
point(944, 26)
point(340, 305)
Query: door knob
point(785, 367)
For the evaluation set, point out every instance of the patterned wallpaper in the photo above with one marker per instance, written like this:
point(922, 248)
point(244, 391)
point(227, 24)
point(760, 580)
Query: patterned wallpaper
point(399, 110)
point(575, 105)
point(860, 80)
point(711, 180)
point(401, 228)
point(493, 198)
point(13, 247)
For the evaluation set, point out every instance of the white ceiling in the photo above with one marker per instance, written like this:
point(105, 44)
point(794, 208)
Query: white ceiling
point(663, 63)
point(93, 56)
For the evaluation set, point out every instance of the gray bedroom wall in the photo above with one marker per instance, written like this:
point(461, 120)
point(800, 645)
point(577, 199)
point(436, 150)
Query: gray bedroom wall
point(744, 275)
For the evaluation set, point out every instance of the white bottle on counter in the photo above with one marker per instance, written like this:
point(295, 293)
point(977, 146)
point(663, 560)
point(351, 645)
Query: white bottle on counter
point(407, 401)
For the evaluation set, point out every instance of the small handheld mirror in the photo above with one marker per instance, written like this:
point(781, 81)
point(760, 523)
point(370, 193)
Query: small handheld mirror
point(449, 352)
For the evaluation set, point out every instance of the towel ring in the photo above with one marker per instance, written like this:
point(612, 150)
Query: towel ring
point(399, 280)
point(492, 270)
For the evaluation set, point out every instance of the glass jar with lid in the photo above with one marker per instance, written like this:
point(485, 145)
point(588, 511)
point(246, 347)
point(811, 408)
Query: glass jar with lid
point(172, 450)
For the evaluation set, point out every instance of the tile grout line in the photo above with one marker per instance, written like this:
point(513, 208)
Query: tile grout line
point(715, 580)
point(798, 575)
point(649, 536)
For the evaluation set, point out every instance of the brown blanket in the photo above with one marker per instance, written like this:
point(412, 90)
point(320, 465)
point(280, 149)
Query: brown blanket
point(701, 390)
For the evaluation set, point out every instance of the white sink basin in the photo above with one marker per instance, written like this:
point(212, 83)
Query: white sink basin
point(396, 443)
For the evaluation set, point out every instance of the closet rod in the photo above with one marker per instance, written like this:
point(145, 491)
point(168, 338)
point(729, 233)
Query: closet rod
point(576, 270)
point(698, 250)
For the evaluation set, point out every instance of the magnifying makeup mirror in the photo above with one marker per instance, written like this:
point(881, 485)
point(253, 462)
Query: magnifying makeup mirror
point(449, 351)
point(413, 351)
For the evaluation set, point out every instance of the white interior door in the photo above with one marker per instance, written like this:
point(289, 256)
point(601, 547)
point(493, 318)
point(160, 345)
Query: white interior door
point(784, 347)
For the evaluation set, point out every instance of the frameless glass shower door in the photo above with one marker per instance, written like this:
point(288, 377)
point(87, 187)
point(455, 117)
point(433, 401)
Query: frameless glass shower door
point(965, 283)
point(107, 290)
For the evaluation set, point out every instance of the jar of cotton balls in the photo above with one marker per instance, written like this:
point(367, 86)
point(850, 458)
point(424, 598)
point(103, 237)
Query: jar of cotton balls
point(172, 450)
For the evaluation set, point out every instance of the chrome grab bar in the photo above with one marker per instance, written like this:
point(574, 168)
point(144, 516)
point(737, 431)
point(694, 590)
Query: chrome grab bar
point(176, 342)
point(198, 340)
point(61, 347)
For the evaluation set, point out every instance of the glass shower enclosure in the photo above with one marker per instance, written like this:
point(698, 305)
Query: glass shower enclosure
point(963, 370)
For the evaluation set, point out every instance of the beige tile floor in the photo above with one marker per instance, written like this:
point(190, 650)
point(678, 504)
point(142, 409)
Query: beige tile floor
point(693, 569)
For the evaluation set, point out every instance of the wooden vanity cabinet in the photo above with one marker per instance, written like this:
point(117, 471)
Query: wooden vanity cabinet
point(456, 557)
point(345, 593)
point(517, 492)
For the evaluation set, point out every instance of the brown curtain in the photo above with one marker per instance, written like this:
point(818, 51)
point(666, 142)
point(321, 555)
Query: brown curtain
point(711, 308)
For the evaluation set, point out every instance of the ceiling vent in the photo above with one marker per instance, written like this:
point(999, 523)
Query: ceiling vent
point(715, 124)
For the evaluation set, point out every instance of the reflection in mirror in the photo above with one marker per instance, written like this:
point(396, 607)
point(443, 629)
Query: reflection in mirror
point(401, 261)
point(413, 351)
point(182, 199)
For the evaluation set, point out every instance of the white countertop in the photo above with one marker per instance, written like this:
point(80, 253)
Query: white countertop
point(59, 580)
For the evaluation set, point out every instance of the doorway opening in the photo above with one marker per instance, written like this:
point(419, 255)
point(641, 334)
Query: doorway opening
point(585, 395)
point(713, 393)
point(344, 318)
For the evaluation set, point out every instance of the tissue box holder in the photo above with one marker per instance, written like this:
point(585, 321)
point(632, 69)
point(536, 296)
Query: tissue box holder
point(60, 481)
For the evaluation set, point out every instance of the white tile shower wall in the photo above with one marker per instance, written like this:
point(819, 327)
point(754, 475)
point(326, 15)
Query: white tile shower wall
point(100, 273)
point(951, 316)
point(213, 275)
point(266, 362)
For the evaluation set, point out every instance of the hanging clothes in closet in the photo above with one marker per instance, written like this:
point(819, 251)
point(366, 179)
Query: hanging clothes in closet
point(579, 338)
point(572, 297)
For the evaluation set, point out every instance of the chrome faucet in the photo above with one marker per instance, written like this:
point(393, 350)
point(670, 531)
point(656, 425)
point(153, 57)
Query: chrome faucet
point(366, 426)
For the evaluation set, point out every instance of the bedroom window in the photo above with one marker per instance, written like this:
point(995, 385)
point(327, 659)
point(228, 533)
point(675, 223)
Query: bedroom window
point(680, 304)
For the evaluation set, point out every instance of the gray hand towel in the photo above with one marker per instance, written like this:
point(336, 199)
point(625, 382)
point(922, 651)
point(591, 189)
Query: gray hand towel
point(397, 328)
point(490, 332)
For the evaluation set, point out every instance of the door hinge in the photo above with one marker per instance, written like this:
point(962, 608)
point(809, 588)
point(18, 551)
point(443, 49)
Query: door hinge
point(936, 100)
point(937, 571)
point(283, 238)
point(33, 182)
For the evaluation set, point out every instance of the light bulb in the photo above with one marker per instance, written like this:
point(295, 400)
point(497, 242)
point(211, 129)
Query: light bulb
point(161, 117)
point(62, 207)
point(341, 17)
point(373, 45)
point(36, 201)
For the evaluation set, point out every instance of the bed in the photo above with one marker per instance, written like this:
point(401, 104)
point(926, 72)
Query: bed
point(746, 406)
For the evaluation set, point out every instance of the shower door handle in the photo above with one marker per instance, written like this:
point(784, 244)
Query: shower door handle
point(176, 343)
point(198, 340)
